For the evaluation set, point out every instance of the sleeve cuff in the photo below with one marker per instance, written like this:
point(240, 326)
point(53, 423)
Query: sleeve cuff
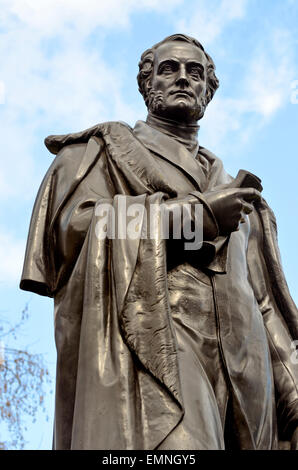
point(211, 230)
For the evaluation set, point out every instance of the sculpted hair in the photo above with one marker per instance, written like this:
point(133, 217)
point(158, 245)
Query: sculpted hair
point(146, 68)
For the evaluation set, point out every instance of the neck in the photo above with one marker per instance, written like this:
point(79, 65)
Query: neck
point(187, 134)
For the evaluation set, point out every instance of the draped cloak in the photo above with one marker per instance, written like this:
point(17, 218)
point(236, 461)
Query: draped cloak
point(118, 374)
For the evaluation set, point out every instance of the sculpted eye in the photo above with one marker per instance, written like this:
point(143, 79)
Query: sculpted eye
point(196, 72)
point(167, 68)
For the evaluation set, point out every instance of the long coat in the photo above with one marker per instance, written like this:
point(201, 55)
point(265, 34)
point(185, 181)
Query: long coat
point(118, 378)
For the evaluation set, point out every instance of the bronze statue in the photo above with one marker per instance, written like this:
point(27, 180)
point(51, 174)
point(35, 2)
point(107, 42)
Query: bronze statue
point(159, 346)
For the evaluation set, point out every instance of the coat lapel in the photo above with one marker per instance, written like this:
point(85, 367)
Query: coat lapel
point(172, 151)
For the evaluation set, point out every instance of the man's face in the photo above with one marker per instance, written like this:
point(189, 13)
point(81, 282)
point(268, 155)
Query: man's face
point(178, 82)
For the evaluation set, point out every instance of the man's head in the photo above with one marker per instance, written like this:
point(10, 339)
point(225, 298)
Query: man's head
point(177, 78)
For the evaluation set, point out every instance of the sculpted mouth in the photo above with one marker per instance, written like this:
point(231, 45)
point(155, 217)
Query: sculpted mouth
point(182, 92)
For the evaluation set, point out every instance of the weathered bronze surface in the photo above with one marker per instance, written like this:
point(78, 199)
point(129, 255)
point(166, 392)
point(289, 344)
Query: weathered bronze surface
point(160, 347)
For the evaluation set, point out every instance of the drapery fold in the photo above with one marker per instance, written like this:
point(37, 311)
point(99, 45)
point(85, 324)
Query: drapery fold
point(118, 380)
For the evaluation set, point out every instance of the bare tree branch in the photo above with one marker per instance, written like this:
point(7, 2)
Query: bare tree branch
point(23, 376)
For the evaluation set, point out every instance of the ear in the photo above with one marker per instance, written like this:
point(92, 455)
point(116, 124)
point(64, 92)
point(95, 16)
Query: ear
point(208, 93)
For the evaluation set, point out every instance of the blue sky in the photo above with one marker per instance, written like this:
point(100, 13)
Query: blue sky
point(68, 64)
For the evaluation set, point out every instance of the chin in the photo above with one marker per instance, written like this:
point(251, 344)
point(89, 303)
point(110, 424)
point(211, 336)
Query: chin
point(182, 112)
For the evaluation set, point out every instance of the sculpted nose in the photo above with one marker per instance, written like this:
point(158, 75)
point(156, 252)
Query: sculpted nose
point(182, 79)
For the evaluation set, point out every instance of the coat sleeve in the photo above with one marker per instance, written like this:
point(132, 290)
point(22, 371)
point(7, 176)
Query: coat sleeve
point(279, 315)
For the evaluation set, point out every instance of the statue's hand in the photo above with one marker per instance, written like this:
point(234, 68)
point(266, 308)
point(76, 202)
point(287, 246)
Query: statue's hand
point(229, 204)
point(294, 440)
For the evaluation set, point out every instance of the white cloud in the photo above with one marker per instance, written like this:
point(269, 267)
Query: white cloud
point(2, 92)
point(265, 87)
point(294, 92)
point(66, 86)
point(70, 85)
point(270, 74)
point(12, 255)
point(67, 89)
point(17, 170)
point(208, 20)
point(52, 16)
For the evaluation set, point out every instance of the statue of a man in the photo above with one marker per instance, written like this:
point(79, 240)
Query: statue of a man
point(160, 346)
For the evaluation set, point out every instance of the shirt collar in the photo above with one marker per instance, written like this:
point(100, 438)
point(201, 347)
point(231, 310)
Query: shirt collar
point(185, 134)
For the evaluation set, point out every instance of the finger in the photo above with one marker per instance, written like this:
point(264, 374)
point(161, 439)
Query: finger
point(247, 208)
point(249, 194)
